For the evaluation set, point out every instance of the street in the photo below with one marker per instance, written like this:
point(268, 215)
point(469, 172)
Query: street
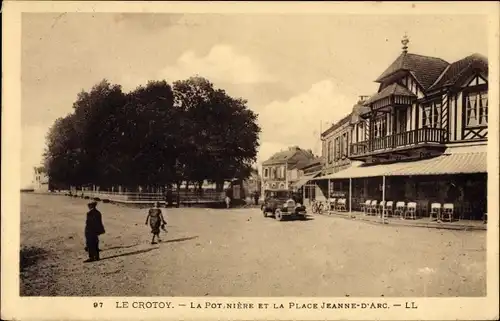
point(238, 252)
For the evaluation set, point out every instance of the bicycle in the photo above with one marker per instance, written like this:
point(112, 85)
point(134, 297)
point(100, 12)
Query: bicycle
point(317, 207)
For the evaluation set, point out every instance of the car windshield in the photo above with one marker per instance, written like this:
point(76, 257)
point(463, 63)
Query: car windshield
point(278, 194)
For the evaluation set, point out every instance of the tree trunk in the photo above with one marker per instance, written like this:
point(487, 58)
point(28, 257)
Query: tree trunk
point(178, 202)
point(200, 188)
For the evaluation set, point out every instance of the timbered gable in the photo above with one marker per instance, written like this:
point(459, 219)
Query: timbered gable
point(413, 85)
point(475, 80)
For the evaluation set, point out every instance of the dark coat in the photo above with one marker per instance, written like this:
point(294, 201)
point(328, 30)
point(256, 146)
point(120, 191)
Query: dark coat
point(93, 225)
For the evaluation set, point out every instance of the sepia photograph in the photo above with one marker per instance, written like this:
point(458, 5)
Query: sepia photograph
point(258, 154)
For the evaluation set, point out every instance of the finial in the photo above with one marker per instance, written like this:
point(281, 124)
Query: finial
point(405, 42)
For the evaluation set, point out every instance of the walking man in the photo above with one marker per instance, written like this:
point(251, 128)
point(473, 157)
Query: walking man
point(93, 228)
point(256, 198)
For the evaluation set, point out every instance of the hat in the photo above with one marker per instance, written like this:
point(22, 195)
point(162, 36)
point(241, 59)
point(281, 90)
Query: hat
point(93, 203)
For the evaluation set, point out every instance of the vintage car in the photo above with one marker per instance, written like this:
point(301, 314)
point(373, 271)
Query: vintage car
point(281, 204)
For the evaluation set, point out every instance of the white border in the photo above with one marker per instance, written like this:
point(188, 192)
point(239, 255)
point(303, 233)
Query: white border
point(81, 308)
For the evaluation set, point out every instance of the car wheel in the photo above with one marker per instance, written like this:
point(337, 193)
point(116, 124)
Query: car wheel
point(278, 215)
point(264, 211)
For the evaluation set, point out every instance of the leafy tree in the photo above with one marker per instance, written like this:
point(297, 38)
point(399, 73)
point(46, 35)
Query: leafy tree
point(63, 153)
point(222, 136)
point(154, 135)
point(152, 129)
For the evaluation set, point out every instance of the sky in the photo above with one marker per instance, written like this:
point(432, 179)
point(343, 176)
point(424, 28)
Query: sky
point(299, 72)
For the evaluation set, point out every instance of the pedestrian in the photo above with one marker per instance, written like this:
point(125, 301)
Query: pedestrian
point(93, 228)
point(228, 201)
point(256, 198)
point(156, 220)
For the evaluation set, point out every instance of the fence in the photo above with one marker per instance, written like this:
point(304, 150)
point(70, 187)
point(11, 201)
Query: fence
point(129, 197)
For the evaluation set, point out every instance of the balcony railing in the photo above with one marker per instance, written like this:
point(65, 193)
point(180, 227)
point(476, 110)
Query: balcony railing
point(404, 139)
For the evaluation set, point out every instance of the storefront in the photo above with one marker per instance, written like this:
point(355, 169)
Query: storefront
point(458, 176)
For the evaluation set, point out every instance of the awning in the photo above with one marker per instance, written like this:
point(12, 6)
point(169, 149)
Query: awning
point(304, 179)
point(458, 160)
point(361, 170)
point(455, 160)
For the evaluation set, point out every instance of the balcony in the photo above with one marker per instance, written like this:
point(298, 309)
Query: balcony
point(423, 137)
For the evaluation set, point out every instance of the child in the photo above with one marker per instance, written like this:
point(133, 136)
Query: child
point(156, 221)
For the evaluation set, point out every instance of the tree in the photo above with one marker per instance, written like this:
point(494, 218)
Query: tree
point(98, 117)
point(154, 135)
point(63, 153)
point(222, 134)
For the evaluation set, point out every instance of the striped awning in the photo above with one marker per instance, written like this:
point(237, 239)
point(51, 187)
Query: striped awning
point(458, 160)
point(455, 160)
point(304, 179)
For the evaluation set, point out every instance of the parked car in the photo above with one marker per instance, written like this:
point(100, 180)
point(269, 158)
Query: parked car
point(282, 204)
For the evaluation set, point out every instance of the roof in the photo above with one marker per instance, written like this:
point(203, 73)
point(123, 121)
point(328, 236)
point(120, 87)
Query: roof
point(313, 162)
point(392, 89)
point(455, 160)
point(304, 179)
point(425, 69)
point(337, 124)
point(284, 156)
point(453, 72)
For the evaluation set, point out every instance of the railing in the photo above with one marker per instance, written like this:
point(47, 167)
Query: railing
point(185, 196)
point(409, 138)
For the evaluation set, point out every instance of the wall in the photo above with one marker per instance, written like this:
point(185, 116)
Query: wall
point(333, 164)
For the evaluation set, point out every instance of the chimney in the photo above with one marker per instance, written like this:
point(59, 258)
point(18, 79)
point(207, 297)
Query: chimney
point(362, 99)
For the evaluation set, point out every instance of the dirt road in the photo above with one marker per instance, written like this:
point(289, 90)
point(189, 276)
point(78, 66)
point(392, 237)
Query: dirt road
point(238, 252)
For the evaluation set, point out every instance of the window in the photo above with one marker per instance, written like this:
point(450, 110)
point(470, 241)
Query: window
point(380, 127)
point(344, 145)
point(266, 172)
point(361, 136)
point(337, 148)
point(431, 115)
point(402, 114)
point(476, 108)
point(330, 151)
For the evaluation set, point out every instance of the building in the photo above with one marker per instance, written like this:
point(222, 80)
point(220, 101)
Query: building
point(305, 185)
point(336, 141)
point(247, 188)
point(284, 168)
point(40, 179)
point(421, 138)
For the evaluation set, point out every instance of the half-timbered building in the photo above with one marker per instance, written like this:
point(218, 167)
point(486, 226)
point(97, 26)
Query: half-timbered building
point(421, 138)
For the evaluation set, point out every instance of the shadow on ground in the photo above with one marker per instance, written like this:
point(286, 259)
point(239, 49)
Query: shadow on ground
point(181, 239)
point(29, 256)
point(119, 247)
point(130, 253)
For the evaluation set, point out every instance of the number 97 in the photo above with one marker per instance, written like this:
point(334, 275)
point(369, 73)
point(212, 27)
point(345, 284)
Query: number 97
point(97, 304)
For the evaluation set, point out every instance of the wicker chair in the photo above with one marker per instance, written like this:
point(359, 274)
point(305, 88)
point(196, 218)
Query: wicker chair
point(331, 204)
point(435, 211)
point(373, 207)
point(341, 205)
point(366, 207)
point(389, 209)
point(448, 212)
point(411, 210)
point(400, 209)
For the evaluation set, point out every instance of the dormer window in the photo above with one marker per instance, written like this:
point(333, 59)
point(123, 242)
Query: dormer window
point(476, 109)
